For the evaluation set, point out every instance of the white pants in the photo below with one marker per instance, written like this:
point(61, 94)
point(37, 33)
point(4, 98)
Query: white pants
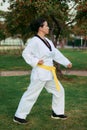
point(30, 96)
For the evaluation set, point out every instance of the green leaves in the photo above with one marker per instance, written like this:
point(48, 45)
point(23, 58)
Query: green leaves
point(81, 17)
point(23, 12)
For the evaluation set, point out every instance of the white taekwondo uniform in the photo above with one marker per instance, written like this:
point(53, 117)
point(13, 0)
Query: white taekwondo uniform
point(36, 50)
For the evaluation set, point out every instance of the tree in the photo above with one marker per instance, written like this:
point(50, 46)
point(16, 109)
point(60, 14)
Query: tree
point(2, 27)
point(2, 33)
point(80, 27)
point(22, 12)
point(81, 17)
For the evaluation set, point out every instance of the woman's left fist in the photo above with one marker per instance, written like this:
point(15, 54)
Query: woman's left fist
point(69, 65)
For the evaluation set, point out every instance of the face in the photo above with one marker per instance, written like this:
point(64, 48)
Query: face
point(44, 29)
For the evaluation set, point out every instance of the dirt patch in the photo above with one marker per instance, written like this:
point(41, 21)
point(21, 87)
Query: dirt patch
point(76, 72)
point(14, 73)
point(19, 73)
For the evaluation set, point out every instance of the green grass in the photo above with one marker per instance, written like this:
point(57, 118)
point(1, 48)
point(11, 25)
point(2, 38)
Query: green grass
point(12, 88)
point(12, 61)
point(77, 57)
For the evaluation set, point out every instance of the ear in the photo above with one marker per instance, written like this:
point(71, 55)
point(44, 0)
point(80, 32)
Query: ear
point(40, 28)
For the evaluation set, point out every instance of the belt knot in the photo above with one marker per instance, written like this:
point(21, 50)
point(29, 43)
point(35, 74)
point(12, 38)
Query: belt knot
point(53, 70)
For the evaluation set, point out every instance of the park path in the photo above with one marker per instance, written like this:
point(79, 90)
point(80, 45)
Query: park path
point(18, 73)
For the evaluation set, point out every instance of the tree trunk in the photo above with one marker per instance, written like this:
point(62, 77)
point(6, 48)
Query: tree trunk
point(54, 40)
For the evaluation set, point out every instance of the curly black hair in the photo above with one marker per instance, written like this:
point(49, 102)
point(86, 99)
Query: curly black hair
point(36, 24)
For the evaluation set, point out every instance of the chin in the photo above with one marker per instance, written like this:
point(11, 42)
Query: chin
point(47, 33)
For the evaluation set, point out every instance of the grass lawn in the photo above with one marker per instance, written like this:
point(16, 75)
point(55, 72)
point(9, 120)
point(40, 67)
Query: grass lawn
point(11, 61)
point(12, 88)
point(77, 57)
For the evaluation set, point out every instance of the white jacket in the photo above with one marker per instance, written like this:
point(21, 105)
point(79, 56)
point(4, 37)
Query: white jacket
point(36, 50)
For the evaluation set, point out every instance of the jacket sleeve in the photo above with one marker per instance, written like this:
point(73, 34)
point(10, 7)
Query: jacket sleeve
point(29, 56)
point(60, 58)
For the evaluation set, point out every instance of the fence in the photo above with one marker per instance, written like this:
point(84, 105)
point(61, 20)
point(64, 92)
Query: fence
point(10, 44)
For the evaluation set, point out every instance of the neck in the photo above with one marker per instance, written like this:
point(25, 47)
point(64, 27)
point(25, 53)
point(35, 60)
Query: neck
point(41, 35)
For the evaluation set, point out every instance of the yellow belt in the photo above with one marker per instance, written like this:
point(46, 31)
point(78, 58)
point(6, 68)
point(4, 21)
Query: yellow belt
point(53, 69)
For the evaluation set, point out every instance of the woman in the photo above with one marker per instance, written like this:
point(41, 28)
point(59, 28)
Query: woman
point(40, 53)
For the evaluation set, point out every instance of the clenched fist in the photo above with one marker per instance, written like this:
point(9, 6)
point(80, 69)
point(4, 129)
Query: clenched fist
point(40, 62)
point(69, 65)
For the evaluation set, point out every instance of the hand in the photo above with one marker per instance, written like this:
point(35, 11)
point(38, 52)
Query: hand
point(40, 62)
point(69, 66)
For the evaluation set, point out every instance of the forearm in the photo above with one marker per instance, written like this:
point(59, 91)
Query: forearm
point(61, 59)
